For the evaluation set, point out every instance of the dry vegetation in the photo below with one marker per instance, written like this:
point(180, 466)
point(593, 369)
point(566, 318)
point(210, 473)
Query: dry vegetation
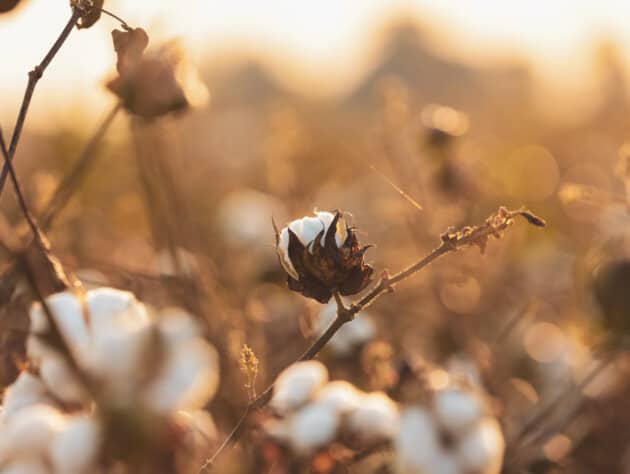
point(470, 340)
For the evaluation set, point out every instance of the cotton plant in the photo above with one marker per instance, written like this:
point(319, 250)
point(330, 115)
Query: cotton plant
point(132, 366)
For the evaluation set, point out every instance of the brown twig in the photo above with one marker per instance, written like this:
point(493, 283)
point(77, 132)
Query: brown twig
point(451, 241)
point(33, 77)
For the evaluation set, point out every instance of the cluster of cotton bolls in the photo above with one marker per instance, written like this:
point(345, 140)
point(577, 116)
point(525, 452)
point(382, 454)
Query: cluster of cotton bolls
point(314, 412)
point(132, 360)
point(452, 433)
point(352, 335)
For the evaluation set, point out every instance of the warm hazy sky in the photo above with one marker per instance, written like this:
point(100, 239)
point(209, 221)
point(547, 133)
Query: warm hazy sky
point(327, 42)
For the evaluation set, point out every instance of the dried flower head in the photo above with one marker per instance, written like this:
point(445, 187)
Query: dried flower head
point(322, 255)
point(155, 83)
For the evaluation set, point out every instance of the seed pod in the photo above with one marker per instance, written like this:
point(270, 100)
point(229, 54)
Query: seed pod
point(321, 255)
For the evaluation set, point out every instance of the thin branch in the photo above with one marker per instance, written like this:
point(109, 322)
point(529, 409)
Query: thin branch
point(72, 180)
point(33, 77)
point(451, 241)
point(123, 23)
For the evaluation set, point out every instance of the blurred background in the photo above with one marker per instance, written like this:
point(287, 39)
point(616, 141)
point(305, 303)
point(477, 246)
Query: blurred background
point(465, 106)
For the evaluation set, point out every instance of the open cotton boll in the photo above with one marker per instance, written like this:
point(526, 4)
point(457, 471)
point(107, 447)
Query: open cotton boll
point(306, 229)
point(340, 395)
point(105, 304)
point(188, 378)
point(118, 354)
point(26, 466)
point(75, 448)
point(375, 419)
point(68, 313)
point(457, 410)
point(29, 432)
point(297, 384)
point(351, 335)
point(313, 427)
point(481, 450)
point(177, 325)
point(27, 390)
point(417, 442)
point(60, 380)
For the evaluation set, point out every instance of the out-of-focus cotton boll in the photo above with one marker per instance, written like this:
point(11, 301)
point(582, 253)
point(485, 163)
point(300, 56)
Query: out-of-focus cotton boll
point(375, 419)
point(107, 304)
point(29, 432)
point(350, 336)
point(27, 390)
point(341, 396)
point(457, 410)
point(118, 354)
point(60, 380)
point(297, 384)
point(26, 466)
point(417, 442)
point(188, 377)
point(313, 427)
point(481, 450)
point(200, 427)
point(177, 326)
point(75, 448)
point(244, 216)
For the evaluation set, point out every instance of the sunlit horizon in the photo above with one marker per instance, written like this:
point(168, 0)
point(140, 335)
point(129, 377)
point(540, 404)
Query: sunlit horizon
point(321, 49)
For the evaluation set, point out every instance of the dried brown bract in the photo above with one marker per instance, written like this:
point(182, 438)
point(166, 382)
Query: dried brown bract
point(154, 83)
point(322, 255)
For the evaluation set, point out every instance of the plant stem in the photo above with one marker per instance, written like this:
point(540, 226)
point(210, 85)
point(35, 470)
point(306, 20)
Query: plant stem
point(33, 77)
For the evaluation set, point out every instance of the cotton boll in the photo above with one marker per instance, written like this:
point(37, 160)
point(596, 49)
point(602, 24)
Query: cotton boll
point(313, 427)
point(75, 449)
point(27, 390)
point(297, 384)
point(30, 431)
point(67, 311)
point(60, 380)
point(443, 463)
point(188, 378)
point(311, 227)
point(283, 253)
point(341, 396)
point(457, 410)
point(375, 419)
point(326, 218)
point(417, 442)
point(26, 466)
point(104, 304)
point(118, 354)
point(481, 450)
point(279, 429)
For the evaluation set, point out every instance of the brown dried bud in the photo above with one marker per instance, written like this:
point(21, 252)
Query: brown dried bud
point(155, 83)
point(322, 254)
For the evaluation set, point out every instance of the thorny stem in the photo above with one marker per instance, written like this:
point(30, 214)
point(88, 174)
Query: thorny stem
point(33, 77)
point(451, 241)
point(72, 180)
